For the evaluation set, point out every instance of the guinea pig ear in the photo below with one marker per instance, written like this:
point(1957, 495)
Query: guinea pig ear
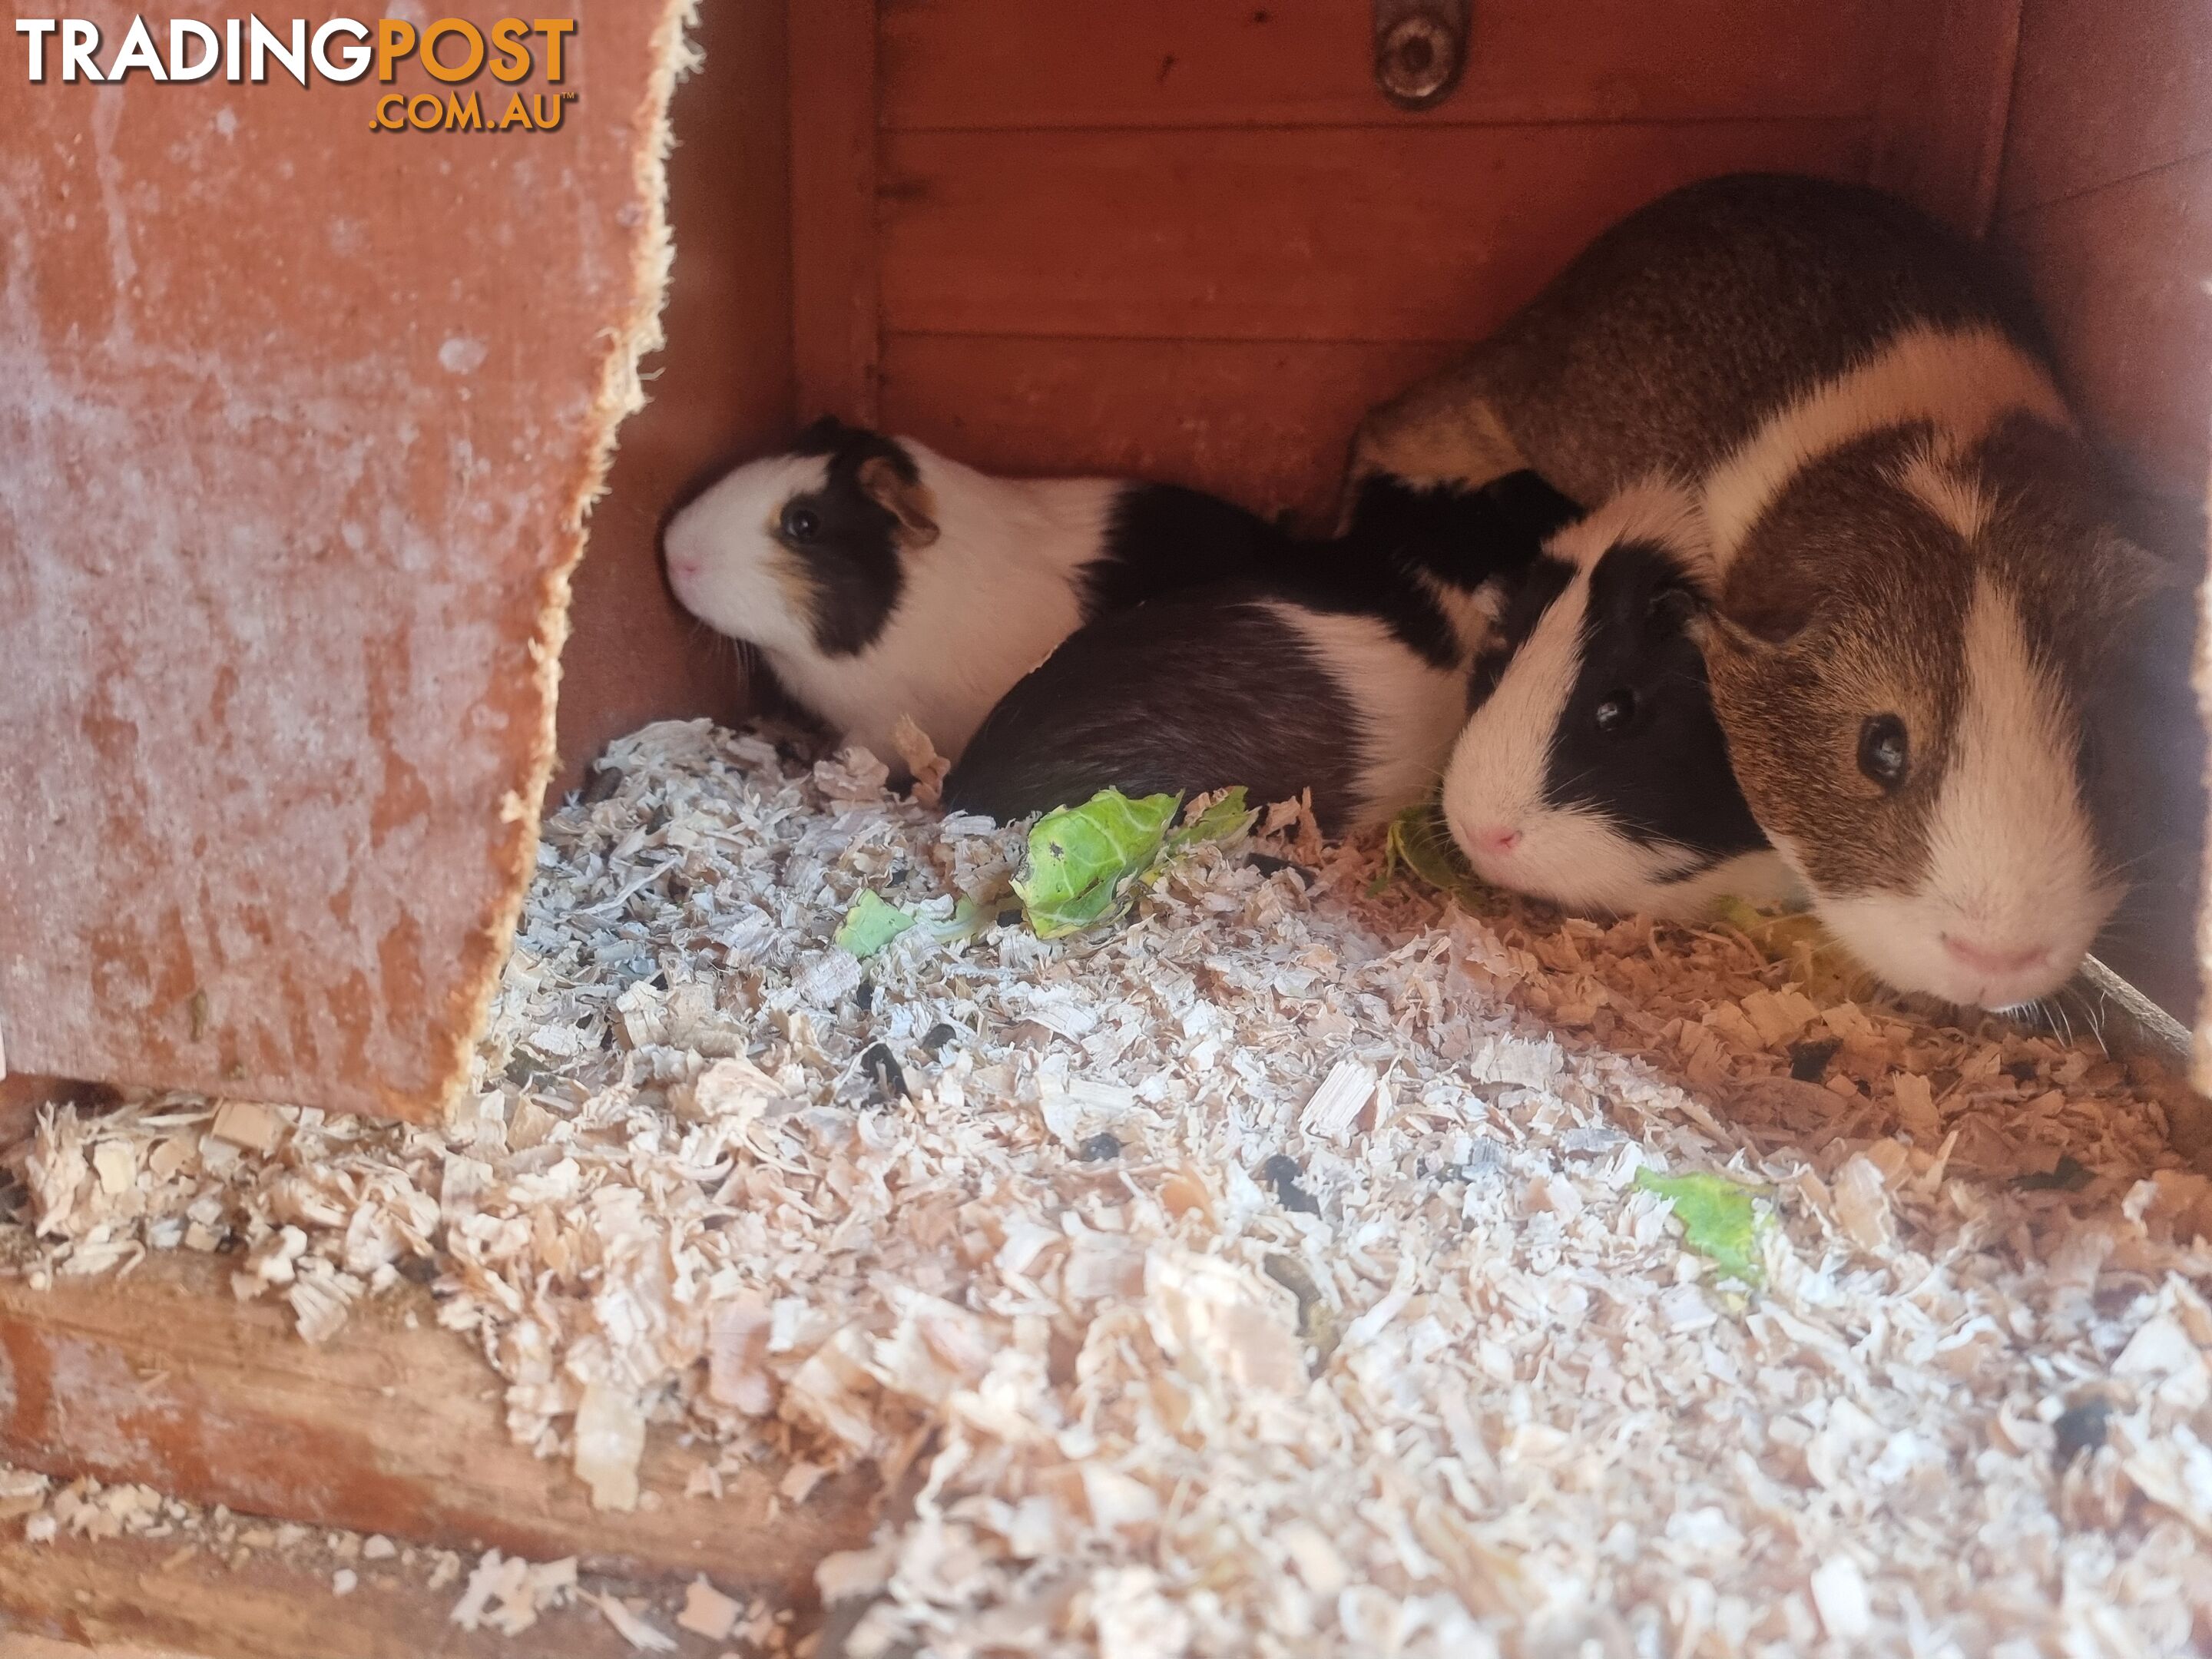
point(821, 437)
point(903, 498)
point(1675, 608)
point(1770, 604)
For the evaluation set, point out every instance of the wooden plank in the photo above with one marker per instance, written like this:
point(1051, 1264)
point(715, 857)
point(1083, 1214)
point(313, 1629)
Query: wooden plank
point(279, 706)
point(126, 1595)
point(1373, 233)
point(1262, 422)
point(18, 1644)
point(1945, 98)
point(722, 387)
point(2119, 273)
point(1002, 63)
point(162, 1377)
point(833, 206)
point(2104, 93)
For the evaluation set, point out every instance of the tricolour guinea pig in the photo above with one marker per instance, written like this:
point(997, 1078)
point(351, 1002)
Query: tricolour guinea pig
point(1592, 771)
point(879, 580)
point(1342, 670)
point(1918, 578)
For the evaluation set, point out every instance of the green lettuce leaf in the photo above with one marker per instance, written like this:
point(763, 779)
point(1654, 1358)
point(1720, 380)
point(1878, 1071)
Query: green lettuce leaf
point(871, 924)
point(1716, 1217)
point(1227, 817)
point(1082, 859)
point(1420, 843)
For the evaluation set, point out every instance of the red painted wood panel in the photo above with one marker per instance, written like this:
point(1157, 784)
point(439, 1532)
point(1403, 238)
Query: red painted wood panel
point(2105, 91)
point(721, 384)
point(835, 317)
point(299, 424)
point(1374, 234)
point(2120, 273)
point(1000, 63)
point(1265, 422)
point(1946, 89)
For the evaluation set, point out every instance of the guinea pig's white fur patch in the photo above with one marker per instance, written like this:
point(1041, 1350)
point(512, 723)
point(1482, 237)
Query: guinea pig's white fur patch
point(981, 605)
point(1409, 709)
point(1960, 381)
point(1496, 778)
point(2013, 874)
point(725, 562)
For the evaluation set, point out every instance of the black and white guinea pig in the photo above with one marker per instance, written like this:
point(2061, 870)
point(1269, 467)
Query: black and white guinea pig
point(1341, 670)
point(1593, 771)
point(879, 579)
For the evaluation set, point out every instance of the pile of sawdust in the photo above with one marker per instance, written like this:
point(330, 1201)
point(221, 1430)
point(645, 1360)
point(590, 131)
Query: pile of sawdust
point(1267, 1272)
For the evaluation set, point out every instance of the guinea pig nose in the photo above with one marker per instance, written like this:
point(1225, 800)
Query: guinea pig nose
point(1496, 839)
point(1993, 959)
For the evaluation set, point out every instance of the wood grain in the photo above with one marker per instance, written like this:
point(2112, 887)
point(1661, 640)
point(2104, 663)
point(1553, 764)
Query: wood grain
point(1375, 234)
point(151, 1593)
point(2104, 93)
point(720, 387)
point(1946, 94)
point(1015, 64)
point(1262, 422)
point(300, 422)
point(833, 207)
point(2119, 273)
point(163, 1377)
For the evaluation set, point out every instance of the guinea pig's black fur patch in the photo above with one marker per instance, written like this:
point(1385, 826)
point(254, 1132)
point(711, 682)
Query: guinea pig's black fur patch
point(1536, 591)
point(1462, 538)
point(1662, 774)
point(1162, 537)
point(1184, 694)
point(852, 562)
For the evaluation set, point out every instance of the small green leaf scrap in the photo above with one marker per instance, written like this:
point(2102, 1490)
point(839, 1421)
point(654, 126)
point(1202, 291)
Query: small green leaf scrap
point(1229, 816)
point(871, 924)
point(1717, 1220)
point(1082, 859)
point(1799, 939)
point(1420, 842)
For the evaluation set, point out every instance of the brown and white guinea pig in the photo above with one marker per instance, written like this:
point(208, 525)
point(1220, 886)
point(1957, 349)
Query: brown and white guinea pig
point(1341, 670)
point(879, 579)
point(1592, 771)
point(1918, 578)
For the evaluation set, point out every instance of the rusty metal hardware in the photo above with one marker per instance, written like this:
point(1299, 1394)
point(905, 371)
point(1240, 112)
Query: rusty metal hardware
point(1421, 48)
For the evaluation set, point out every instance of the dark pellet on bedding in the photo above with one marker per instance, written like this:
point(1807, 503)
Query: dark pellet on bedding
point(1100, 1147)
point(2080, 1429)
point(1809, 1061)
point(864, 997)
point(606, 783)
point(939, 1035)
point(1267, 864)
point(881, 1067)
point(1282, 1172)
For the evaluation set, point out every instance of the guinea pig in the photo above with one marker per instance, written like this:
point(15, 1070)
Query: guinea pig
point(878, 579)
point(1917, 575)
point(1592, 771)
point(1341, 670)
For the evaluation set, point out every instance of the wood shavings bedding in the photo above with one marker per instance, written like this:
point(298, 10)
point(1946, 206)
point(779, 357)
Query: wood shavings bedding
point(1267, 1273)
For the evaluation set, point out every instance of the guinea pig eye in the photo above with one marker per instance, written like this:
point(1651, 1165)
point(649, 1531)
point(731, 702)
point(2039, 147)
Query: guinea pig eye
point(1614, 713)
point(1884, 753)
point(801, 524)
